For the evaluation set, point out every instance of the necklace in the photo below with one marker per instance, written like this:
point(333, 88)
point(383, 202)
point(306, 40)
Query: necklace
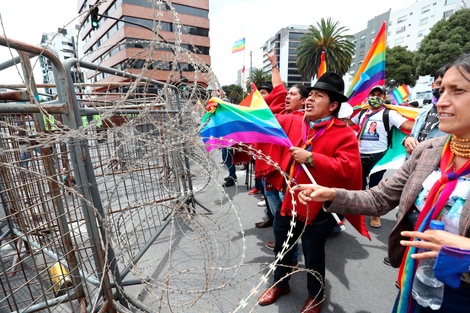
point(458, 149)
point(460, 139)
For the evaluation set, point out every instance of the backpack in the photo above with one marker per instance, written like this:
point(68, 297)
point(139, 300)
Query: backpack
point(386, 121)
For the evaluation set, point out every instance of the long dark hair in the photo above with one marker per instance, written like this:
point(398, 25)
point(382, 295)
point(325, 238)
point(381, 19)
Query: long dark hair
point(462, 64)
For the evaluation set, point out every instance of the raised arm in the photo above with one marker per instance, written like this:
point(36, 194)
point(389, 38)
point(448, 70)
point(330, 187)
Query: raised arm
point(275, 76)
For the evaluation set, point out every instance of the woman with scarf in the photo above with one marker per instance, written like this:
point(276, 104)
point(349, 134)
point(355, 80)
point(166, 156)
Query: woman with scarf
point(433, 184)
point(327, 149)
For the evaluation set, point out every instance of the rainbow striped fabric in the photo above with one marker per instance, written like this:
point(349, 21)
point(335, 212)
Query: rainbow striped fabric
point(400, 94)
point(371, 72)
point(228, 124)
point(239, 45)
point(322, 67)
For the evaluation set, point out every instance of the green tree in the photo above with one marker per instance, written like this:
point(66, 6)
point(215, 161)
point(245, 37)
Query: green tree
point(447, 40)
point(233, 92)
point(258, 77)
point(400, 66)
point(328, 36)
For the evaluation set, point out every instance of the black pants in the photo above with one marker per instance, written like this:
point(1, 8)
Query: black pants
point(368, 162)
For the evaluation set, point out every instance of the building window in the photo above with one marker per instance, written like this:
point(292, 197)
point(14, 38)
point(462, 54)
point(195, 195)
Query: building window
point(449, 2)
point(363, 37)
point(399, 40)
point(448, 13)
point(423, 21)
point(421, 33)
point(426, 9)
point(418, 45)
point(400, 30)
point(401, 19)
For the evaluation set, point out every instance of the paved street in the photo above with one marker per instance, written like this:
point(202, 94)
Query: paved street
point(357, 280)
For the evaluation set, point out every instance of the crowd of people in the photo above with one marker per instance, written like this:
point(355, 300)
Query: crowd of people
point(329, 168)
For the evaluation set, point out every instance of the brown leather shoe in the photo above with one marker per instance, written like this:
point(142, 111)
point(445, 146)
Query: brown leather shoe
point(270, 245)
point(312, 305)
point(375, 221)
point(272, 294)
point(267, 222)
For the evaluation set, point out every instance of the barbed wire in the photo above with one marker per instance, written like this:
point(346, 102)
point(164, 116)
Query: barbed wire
point(142, 164)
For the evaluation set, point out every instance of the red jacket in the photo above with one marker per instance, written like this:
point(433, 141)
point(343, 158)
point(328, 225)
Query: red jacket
point(336, 163)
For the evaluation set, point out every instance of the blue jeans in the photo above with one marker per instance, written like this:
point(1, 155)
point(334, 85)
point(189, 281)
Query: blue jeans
point(227, 154)
point(313, 246)
point(274, 199)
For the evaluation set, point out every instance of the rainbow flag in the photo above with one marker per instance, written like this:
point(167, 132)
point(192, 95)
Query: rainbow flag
point(400, 94)
point(371, 72)
point(239, 45)
point(396, 153)
point(322, 67)
point(397, 97)
point(228, 124)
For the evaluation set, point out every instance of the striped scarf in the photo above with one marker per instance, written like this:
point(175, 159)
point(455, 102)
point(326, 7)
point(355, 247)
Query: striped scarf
point(324, 126)
point(432, 210)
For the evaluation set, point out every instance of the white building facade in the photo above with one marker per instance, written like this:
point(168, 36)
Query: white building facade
point(408, 27)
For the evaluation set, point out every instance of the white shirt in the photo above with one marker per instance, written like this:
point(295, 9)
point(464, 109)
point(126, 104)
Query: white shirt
point(376, 142)
point(453, 208)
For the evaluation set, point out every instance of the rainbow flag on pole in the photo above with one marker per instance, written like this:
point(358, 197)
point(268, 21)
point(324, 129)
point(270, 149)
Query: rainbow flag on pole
point(239, 45)
point(322, 67)
point(228, 124)
point(400, 94)
point(371, 72)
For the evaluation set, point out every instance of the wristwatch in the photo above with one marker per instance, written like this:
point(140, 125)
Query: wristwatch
point(403, 141)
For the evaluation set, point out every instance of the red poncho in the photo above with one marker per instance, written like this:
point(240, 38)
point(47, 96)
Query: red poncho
point(336, 163)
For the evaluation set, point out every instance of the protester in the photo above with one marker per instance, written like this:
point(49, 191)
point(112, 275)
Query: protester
point(227, 155)
point(433, 184)
point(373, 146)
point(265, 89)
point(328, 149)
point(427, 121)
point(290, 101)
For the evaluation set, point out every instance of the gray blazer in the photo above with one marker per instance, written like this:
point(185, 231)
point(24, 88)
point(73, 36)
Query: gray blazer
point(400, 189)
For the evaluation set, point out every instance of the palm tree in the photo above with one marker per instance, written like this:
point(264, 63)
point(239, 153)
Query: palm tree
point(258, 77)
point(327, 36)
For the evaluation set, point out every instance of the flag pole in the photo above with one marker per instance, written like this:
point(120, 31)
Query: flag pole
point(243, 72)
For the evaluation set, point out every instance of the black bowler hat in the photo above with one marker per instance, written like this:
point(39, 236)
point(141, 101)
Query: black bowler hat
point(267, 85)
point(333, 84)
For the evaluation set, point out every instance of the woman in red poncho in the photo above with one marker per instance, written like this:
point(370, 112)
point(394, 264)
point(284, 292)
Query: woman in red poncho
point(328, 148)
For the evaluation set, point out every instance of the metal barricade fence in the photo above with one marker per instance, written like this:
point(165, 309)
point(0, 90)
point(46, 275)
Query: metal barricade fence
point(82, 204)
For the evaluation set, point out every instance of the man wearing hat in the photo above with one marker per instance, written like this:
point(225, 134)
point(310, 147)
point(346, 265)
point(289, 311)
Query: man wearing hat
point(328, 148)
point(265, 89)
point(373, 147)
